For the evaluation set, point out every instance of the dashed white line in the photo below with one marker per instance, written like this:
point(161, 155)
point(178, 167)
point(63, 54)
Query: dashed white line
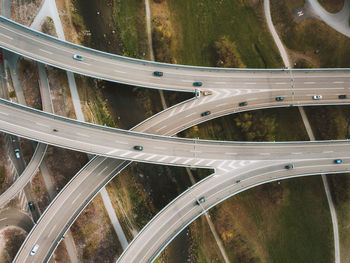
point(87, 64)
point(6, 36)
point(219, 82)
point(328, 151)
point(265, 153)
point(297, 153)
point(250, 83)
point(185, 80)
point(194, 151)
point(3, 113)
point(41, 124)
point(309, 82)
point(48, 52)
point(280, 83)
point(2, 219)
point(190, 114)
point(82, 134)
point(223, 104)
point(338, 82)
point(231, 153)
point(121, 142)
point(118, 71)
point(76, 198)
point(161, 128)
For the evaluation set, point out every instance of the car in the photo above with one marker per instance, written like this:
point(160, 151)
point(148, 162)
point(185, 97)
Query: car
point(158, 73)
point(242, 104)
point(77, 57)
point(238, 181)
point(289, 166)
point(31, 206)
point(206, 113)
point(197, 84)
point(279, 98)
point(55, 130)
point(342, 97)
point(207, 92)
point(34, 250)
point(201, 200)
point(338, 161)
point(317, 97)
point(138, 148)
point(17, 153)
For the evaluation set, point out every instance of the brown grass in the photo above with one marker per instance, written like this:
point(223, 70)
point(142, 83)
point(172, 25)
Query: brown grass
point(13, 237)
point(6, 176)
point(24, 12)
point(333, 6)
point(61, 254)
point(39, 189)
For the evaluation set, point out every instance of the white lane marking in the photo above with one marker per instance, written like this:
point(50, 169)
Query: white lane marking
point(52, 229)
point(211, 162)
point(121, 142)
point(231, 153)
point(150, 157)
point(250, 83)
point(75, 199)
point(328, 151)
point(6, 36)
point(338, 82)
point(187, 161)
point(2, 219)
point(190, 114)
point(280, 83)
point(219, 82)
point(126, 153)
point(161, 128)
point(41, 124)
point(87, 64)
point(265, 153)
point(309, 82)
point(139, 155)
point(114, 151)
point(223, 104)
point(48, 52)
point(185, 80)
point(194, 151)
point(159, 148)
point(3, 113)
point(82, 134)
point(175, 160)
point(118, 71)
point(297, 153)
point(196, 163)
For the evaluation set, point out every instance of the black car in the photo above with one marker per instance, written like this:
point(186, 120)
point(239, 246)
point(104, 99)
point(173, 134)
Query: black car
point(206, 113)
point(197, 84)
point(243, 103)
point(289, 166)
point(338, 161)
point(158, 73)
point(279, 98)
point(201, 200)
point(138, 147)
point(31, 206)
point(342, 97)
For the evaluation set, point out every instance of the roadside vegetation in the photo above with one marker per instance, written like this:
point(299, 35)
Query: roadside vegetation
point(48, 27)
point(11, 239)
point(310, 39)
point(332, 6)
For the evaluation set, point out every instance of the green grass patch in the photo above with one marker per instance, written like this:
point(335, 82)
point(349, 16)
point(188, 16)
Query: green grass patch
point(199, 24)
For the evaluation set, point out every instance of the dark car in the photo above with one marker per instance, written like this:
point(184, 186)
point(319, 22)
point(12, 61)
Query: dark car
point(338, 161)
point(138, 147)
point(201, 200)
point(289, 166)
point(158, 73)
point(342, 97)
point(197, 84)
point(206, 113)
point(31, 206)
point(279, 98)
point(243, 103)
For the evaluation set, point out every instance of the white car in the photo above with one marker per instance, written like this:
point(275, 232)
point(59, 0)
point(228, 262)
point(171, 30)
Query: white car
point(17, 153)
point(77, 57)
point(317, 97)
point(34, 250)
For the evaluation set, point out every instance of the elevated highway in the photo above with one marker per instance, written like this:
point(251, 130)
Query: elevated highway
point(49, 50)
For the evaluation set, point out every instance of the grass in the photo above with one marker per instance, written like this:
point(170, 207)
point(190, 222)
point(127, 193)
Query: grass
point(332, 6)
point(199, 24)
point(129, 15)
point(309, 36)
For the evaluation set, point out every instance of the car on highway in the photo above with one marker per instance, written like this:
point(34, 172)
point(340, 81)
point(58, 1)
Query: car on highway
point(243, 103)
point(17, 153)
point(317, 97)
point(207, 92)
point(138, 148)
point(279, 98)
point(289, 166)
point(197, 84)
point(31, 206)
point(338, 161)
point(77, 57)
point(342, 97)
point(34, 250)
point(201, 200)
point(158, 73)
point(206, 113)
point(238, 181)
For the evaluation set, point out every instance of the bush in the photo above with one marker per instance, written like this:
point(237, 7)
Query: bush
point(162, 46)
point(227, 54)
